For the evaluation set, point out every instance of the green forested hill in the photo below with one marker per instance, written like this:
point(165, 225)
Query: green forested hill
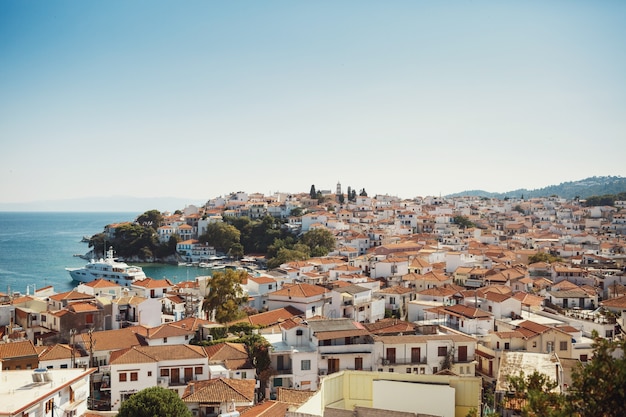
point(588, 187)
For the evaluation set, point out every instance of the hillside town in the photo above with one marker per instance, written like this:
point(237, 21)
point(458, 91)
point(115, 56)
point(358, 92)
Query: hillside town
point(423, 307)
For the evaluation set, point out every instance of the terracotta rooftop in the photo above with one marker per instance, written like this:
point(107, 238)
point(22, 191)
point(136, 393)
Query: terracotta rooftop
point(14, 350)
point(300, 290)
point(617, 303)
point(396, 289)
point(292, 396)
point(153, 283)
point(56, 352)
point(71, 295)
point(268, 408)
point(168, 330)
point(114, 339)
point(193, 323)
point(101, 283)
point(81, 307)
point(220, 390)
point(271, 317)
point(144, 354)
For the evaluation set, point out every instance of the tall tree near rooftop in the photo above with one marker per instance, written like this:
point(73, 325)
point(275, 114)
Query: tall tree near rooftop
point(259, 352)
point(296, 212)
point(462, 221)
point(225, 296)
point(363, 193)
point(543, 257)
point(536, 392)
point(349, 193)
point(298, 253)
point(221, 236)
point(135, 240)
point(150, 218)
point(599, 386)
point(154, 402)
point(313, 193)
point(320, 241)
point(236, 251)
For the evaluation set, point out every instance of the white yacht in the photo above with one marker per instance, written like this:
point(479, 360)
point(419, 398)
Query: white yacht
point(109, 269)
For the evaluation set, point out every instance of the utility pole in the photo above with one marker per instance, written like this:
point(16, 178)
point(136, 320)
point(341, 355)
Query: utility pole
point(91, 345)
point(72, 350)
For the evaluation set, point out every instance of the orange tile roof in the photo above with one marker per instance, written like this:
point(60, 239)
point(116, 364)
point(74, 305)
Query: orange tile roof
point(292, 396)
point(82, 307)
point(153, 283)
point(618, 302)
point(13, 350)
point(268, 408)
point(272, 317)
point(115, 339)
point(395, 290)
point(193, 323)
point(220, 390)
point(145, 354)
point(58, 351)
point(101, 283)
point(300, 290)
point(71, 295)
point(168, 330)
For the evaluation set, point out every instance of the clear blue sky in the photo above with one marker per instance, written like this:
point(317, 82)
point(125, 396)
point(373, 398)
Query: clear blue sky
point(195, 99)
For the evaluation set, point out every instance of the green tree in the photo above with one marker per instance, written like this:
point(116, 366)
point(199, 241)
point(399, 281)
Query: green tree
point(98, 243)
point(538, 391)
point(363, 193)
point(236, 250)
point(154, 402)
point(320, 241)
point(313, 193)
point(341, 199)
point(225, 296)
point(463, 222)
point(349, 193)
point(133, 239)
point(543, 257)
point(599, 387)
point(296, 212)
point(259, 353)
point(285, 255)
point(221, 236)
point(150, 218)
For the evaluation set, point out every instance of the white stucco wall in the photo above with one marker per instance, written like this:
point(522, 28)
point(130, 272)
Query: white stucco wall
point(437, 400)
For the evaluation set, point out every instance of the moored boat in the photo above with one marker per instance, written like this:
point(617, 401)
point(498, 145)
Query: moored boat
point(108, 268)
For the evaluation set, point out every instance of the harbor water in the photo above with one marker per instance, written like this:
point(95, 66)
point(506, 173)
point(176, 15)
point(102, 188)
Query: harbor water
point(36, 247)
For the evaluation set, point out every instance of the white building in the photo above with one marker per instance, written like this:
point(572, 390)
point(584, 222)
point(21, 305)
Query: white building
point(44, 392)
point(425, 354)
point(293, 357)
point(140, 367)
point(357, 303)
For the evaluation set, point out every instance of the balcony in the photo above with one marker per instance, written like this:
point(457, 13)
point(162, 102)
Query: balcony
point(389, 362)
point(284, 371)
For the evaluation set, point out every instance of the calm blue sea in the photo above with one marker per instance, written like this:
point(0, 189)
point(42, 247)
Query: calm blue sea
point(36, 247)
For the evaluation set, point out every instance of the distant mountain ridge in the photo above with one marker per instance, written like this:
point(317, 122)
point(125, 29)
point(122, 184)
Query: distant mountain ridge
point(104, 204)
point(585, 188)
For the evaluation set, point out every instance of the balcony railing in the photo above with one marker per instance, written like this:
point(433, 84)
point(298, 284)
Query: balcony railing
point(389, 362)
